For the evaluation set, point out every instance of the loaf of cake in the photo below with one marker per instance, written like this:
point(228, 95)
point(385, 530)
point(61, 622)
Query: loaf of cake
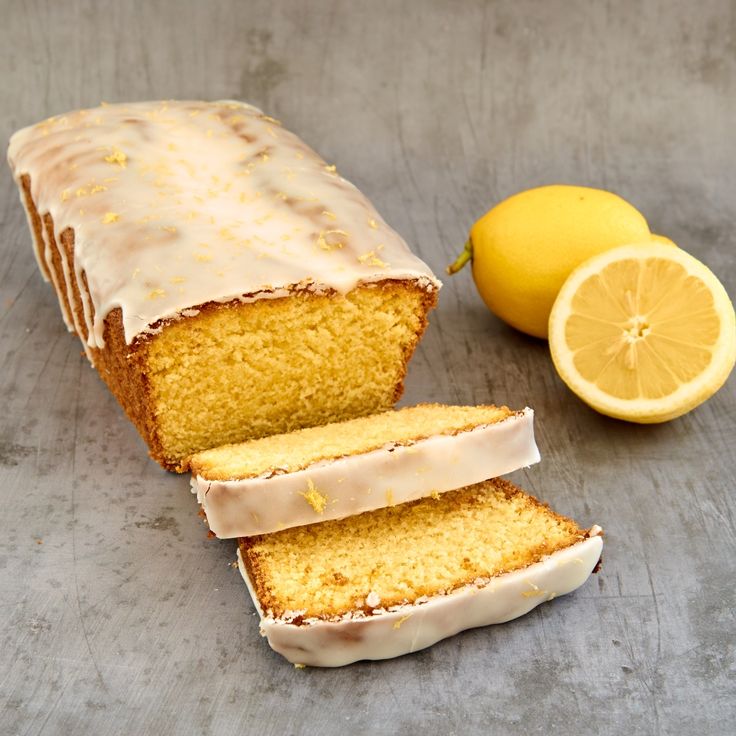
point(224, 280)
point(358, 465)
point(398, 579)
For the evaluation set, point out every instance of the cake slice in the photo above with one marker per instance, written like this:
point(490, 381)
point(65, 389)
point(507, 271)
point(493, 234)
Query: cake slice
point(225, 281)
point(346, 468)
point(399, 579)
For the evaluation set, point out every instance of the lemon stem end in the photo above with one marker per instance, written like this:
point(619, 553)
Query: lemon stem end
point(462, 259)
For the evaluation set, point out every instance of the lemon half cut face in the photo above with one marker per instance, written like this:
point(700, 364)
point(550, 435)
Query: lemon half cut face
point(643, 332)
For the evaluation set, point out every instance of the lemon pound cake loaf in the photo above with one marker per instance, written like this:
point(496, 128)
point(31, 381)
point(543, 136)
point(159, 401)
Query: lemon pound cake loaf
point(399, 579)
point(224, 280)
point(346, 468)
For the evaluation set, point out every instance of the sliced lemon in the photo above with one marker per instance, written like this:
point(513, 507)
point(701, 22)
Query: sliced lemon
point(643, 332)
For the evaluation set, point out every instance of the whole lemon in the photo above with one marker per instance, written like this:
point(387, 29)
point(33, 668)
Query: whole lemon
point(524, 248)
point(662, 239)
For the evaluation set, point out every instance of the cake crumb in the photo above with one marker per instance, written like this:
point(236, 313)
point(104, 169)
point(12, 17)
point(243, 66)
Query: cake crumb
point(299, 666)
point(435, 495)
point(314, 498)
point(110, 217)
point(389, 497)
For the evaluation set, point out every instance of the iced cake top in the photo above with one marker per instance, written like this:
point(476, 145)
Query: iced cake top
point(178, 203)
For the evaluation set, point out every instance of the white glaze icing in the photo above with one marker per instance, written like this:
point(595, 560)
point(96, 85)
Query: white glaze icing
point(412, 627)
point(368, 481)
point(176, 204)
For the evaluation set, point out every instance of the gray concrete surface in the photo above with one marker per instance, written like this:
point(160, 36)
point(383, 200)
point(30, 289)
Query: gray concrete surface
point(118, 616)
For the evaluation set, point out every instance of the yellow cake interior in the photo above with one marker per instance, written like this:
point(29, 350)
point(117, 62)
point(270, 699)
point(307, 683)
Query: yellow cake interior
point(300, 449)
point(400, 553)
point(274, 365)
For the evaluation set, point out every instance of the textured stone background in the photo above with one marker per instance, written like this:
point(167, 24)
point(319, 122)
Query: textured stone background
point(117, 616)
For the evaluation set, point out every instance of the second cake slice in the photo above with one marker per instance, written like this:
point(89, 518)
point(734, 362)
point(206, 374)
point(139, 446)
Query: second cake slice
point(396, 580)
point(347, 468)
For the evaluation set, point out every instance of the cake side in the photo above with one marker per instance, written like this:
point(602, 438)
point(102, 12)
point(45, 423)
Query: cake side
point(121, 366)
point(393, 474)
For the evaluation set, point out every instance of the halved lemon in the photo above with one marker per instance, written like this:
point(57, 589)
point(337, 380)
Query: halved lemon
point(643, 332)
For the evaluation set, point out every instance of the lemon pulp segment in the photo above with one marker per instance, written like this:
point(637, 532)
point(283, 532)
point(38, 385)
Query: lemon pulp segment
point(652, 319)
